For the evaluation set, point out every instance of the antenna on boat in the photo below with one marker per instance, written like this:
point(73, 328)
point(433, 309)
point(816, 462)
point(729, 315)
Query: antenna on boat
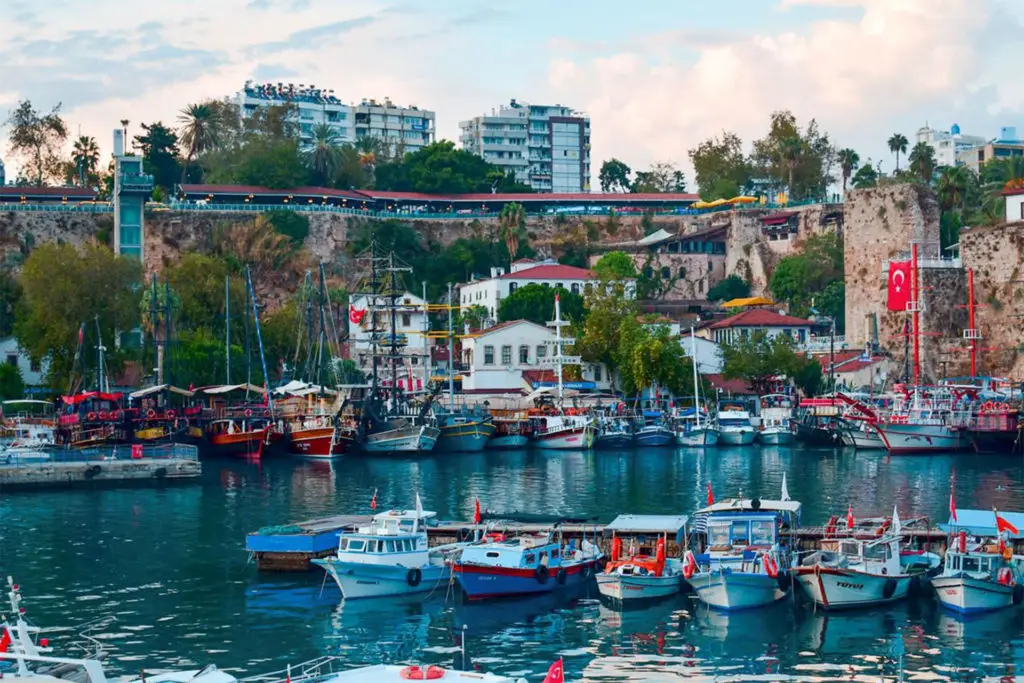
point(464, 628)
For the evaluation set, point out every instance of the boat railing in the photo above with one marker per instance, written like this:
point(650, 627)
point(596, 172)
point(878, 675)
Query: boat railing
point(169, 451)
point(312, 669)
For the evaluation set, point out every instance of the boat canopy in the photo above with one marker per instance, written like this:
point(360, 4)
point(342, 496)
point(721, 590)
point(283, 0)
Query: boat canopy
point(982, 522)
point(403, 514)
point(158, 388)
point(88, 395)
point(228, 388)
point(648, 524)
point(748, 505)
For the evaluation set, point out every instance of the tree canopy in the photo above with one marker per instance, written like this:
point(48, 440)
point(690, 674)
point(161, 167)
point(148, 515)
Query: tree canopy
point(440, 168)
point(36, 139)
point(615, 265)
point(812, 274)
point(760, 360)
point(614, 176)
point(722, 170)
point(536, 303)
point(731, 287)
point(159, 145)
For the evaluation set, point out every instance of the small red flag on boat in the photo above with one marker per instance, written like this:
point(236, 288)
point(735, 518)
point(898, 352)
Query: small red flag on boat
point(556, 674)
point(81, 333)
point(1003, 525)
point(849, 517)
point(373, 501)
point(952, 506)
point(288, 676)
point(5, 640)
point(711, 496)
point(477, 517)
point(899, 285)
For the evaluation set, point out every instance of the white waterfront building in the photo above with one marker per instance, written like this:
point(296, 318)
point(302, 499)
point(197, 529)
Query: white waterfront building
point(490, 292)
point(546, 146)
point(407, 129)
point(948, 143)
point(508, 358)
point(367, 312)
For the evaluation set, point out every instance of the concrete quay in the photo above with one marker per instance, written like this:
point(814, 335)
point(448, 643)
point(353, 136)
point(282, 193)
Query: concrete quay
point(159, 465)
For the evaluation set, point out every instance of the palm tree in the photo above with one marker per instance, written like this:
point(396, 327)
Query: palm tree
point(86, 155)
point(511, 221)
point(952, 187)
point(201, 130)
point(849, 160)
point(324, 158)
point(922, 162)
point(124, 129)
point(790, 152)
point(897, 145)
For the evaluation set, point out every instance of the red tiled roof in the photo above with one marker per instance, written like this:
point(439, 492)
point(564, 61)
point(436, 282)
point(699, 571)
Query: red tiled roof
point(523, 260)
point(858, 364)
point(257, 190)
point(549, 272)
point(760, 317)
point(501, 326)
point(733, 386)
point(76, 192)
point(1014, 192)
point(538, 376)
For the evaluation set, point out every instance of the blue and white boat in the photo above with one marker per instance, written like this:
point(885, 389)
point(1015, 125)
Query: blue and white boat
point(614, 432)
point(735, 425)
point(390, 557)
point(463, 430)
point(524, 565)
point(652, 431)
point(744, 561)
point(694, 429)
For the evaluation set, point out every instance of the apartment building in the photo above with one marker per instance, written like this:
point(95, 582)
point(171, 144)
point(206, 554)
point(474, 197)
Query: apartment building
point(546, 146)
point(948, 144)
point(407, 129)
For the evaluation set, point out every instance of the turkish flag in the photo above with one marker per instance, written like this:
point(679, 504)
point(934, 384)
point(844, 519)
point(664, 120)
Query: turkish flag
point(899, 285)
point(556, 674)
point(355, 314)
point(1003, 525)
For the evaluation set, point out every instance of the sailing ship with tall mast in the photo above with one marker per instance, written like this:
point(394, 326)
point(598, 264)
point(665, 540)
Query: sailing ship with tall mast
point(559, 428)
point(389, 422)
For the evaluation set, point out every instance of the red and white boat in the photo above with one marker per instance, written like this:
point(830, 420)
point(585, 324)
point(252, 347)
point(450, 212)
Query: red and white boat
point(319, 438)
point(245, 436)
point(927, 419)
point(560, 431)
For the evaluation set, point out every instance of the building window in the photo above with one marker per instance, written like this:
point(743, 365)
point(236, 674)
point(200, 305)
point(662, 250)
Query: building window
point(802, 334)
point(488, 355)
point(575, 287)
point(506, 355)
point(512, 287)
point(597, 373)
point(406, 320)
point(542, 351)
point(711, 266)
point(682, 273)
point(35, 365)
point(524, 355)
point(666, 273)
point(12, 360)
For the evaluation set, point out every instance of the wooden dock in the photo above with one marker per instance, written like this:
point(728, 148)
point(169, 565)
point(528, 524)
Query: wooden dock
point(94, 473)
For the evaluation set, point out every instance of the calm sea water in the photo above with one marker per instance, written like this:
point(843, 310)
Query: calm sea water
point(163, 577)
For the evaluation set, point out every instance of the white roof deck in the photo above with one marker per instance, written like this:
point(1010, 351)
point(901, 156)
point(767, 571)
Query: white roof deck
point(647, 524)
point(745, 505)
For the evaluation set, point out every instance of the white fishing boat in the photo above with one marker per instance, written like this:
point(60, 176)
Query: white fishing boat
point(777, 427)
point(390, 557)
point(694, 427)
point(862, 436)
point(391, 673)
point(735, 426)
point(980, 574)
point(927, 420)
point(856, 571)
point(743, 563)
point(642, 576)
point(402, 436)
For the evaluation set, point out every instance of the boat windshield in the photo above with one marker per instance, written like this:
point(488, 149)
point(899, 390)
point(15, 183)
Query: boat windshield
point(718, 534)
point(374, 545)
point(762, 532)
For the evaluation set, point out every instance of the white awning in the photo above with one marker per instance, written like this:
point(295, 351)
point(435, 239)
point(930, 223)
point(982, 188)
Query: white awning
point(228, 388)
point(648, 524)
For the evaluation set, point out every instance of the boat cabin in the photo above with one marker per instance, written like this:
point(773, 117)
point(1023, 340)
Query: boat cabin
point(520, 552)
point(389, 533)
point(986, 564)
point(742, 527)
point(880, 556)
point(397, 523)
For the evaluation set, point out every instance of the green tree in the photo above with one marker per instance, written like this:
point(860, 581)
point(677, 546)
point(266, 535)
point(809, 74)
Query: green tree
point(513, 225)
point(293, 225)
point(759, 360)
point(86, 157)
point(323, 160)
point(199, 358)
point(440, 168)
point(955, 182)
point(94, 285)
point(866, 176)
point(536, 303)
point(922, 162)
point(614, 176)
point(159, 145)
point(609, 326)
point(732, 287)
point(475, 316)
point(802, 159)
point(662, 177)
point(721, 169)
point(790, 151)
point(898, 145)
point(615, 266)
point(652, 355)
point(10, 295)
point(808, 377)
point(203, 128)
point(12, 386)
point(36, 139)
point(849, 160)
point(800, 277)
point(832, 302)
point(198, 279)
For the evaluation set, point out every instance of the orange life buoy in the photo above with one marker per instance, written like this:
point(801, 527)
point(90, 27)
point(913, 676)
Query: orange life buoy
point(103, 415)
point(1004, 408)
point(416, 673)
point(616, 548)
point(770, 566)
point(171, 414)
point(91, 417)
point(115, 416)
point(151, 413)
point(248, 412)
point(987, 407)
point(689, 564)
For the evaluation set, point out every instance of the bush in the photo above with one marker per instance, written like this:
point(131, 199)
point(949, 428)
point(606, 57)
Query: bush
point(290, 224)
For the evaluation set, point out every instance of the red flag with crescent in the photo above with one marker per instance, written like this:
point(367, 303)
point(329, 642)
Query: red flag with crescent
point(556, 674)
point(899, 285)
point(356, 314)
point(477, 517)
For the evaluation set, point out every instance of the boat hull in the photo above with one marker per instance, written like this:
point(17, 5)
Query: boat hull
point(967, 595)
point(358, 581)
point(835, 588)
point(776, 437)
point(729, 590)
point(509, 441)
point(471, 437)
point(658, 438)
point(567, 440)
point(480, 582)
point(699, 437)
point(818, 437)
point(907, 438)
point(320, 443)
point(420, 439)
point(243, 443)
point(614, 440)
point(863, 440)
point(628, 590)
point(728, 437)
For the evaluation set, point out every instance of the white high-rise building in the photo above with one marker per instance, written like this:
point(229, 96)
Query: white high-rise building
point(546, 146)
point(407, 129)
point(948, 144)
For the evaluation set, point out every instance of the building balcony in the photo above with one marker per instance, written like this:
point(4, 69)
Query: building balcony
point(136, 183)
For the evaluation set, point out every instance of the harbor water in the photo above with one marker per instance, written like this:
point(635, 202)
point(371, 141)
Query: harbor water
point(160, 576)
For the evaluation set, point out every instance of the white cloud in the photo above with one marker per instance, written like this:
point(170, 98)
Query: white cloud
point(894, 65)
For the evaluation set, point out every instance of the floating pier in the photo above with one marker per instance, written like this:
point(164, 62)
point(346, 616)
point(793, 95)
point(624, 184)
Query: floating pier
point(99, 467)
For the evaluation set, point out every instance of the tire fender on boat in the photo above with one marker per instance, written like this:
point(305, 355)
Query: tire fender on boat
point(414, 577)
point(889, 589)
point(91, 471)
point(542, 574)
point(560, 577)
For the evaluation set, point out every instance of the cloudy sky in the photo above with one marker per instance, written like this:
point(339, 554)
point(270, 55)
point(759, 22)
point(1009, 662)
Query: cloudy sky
point(656, 76)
